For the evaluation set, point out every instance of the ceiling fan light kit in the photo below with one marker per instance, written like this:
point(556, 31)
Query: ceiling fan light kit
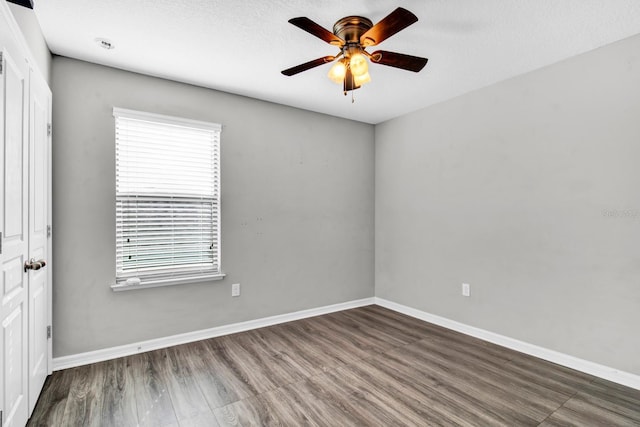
point(352, 34)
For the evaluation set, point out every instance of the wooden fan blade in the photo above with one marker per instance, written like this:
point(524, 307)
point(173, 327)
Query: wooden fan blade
point(312, 28)
point(307, 65)
point(396, 21)
point(399, 60)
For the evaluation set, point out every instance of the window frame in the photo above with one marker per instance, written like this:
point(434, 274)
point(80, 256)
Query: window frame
point(124, 281)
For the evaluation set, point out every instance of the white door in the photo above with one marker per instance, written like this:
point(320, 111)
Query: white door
point(39, 118)
point(14, 113)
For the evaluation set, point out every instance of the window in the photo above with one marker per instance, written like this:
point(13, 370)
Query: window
point(167, 200)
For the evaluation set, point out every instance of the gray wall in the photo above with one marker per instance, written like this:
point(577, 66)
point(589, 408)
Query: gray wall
point(529, 191)
point(30, 28)
point(297, 210)
point(526, 189)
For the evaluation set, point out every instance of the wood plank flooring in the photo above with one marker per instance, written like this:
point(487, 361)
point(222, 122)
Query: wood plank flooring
point(367, 367)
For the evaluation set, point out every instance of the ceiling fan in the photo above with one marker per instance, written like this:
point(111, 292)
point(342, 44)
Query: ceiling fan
point(352, 34)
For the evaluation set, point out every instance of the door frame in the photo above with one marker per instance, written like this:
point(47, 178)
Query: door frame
point(50, 233)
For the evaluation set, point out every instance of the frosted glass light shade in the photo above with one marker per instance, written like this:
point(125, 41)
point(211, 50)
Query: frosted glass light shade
point(362, 79)
point(337, 72)
point(358, 64)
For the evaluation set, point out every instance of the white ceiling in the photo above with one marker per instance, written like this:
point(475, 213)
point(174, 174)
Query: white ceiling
point(240, 46)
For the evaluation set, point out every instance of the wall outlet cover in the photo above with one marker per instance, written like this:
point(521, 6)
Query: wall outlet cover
point(466, 289)
point(235, 290)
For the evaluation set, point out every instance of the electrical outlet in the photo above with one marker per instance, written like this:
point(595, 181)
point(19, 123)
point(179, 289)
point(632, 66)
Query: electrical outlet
point(235, 290)
point(466, 289)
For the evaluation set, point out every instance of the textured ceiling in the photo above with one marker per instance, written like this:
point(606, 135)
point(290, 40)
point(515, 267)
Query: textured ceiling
point(240, 46)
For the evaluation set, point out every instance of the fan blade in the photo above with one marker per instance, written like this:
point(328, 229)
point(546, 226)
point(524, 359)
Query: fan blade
point(396, 21)
point(399, 60)
point(312, 28)
point(307, 65)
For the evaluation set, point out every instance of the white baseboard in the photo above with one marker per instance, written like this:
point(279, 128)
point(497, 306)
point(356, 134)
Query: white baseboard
point(595, 369)
point(601, 371)
point(80, 359)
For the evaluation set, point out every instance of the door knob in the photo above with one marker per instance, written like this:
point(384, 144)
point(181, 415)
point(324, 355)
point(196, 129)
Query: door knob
point(32, 264)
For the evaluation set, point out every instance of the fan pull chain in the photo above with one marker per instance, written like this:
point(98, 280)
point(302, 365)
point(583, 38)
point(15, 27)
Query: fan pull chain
point(353, 99)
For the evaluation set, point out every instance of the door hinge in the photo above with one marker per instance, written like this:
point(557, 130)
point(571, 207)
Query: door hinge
point(48, 231)
point(48, 129)
point(48, 335)
point(1, 65)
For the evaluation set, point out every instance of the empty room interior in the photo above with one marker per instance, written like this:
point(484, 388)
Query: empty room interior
point(320, 213)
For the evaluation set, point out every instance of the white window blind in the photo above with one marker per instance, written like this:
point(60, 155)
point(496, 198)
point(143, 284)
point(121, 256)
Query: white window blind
point(167, 199)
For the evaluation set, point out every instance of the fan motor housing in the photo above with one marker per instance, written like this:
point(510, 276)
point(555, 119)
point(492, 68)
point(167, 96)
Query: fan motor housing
point(350, 28)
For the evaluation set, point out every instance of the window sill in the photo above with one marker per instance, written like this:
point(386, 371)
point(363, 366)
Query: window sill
point(155, 283)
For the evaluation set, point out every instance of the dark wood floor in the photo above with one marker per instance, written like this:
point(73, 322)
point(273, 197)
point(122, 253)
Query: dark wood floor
point(368, 366)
